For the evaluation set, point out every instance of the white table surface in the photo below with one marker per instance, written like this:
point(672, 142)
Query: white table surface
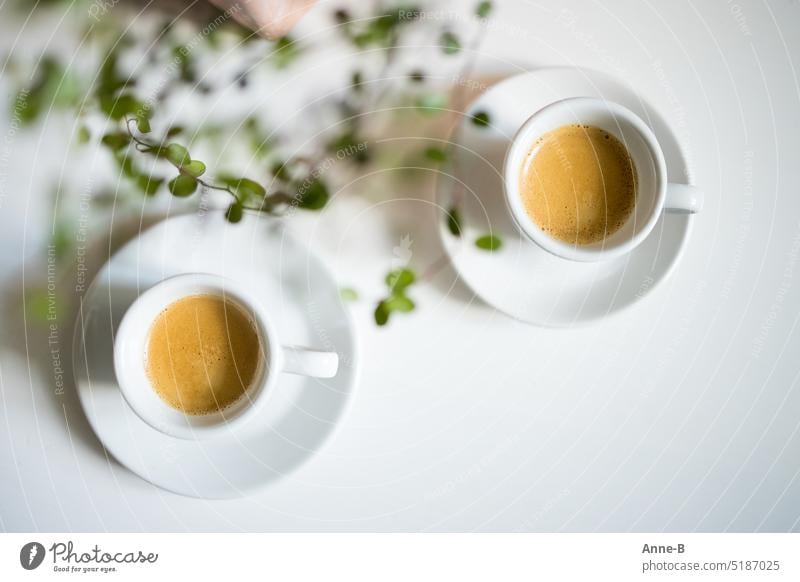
point(680, 414)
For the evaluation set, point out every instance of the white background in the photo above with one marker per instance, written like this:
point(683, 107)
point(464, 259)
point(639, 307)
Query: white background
point(680, 414)
point(401, 556)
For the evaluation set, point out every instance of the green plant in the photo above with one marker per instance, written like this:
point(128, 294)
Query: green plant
point(489, 242)
point(153, 161)
point(310, 192)
point(397, 301)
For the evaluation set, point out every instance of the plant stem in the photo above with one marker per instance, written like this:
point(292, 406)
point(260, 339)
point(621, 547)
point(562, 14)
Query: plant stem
point(267, 206)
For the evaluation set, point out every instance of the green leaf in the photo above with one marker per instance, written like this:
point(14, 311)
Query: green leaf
point(483, 9)
point(489, 242)
point(341, 16)
point(61, 240)
point(40, 305)
point(251, 188)
point(174, 130)
point(312, 195)
point(363, 39)
point(116, 141)
point(84, 135)
point(234, 212)
point(109, 76)
point(121, 106)
point(260, 142)
point(435, 154)
point(481, 119)
point(431, 103)
point(148, 185)
point(399, 279)
point(280, 170)
point(195, 168)
point(274, 200)
point(143, 123)
point(285, 53)
point(454, 221)
point(380, 30)
point(356, 81)
point(348, 294)
point(177, 154)
point(53, 87)
point(383, 25)
point(244, 188)
point(182, 186)
point(67, 93)
point(399, 303)
point(449, 43)
point(228, 179)
point(126, 165)
point(386, 307)
point(27, 106)
point(182, 57)
point(348, 145)
point(382, 313)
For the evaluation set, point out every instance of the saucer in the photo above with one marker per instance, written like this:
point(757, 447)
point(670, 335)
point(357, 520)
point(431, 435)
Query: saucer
point(520, 279)
point(303, 300)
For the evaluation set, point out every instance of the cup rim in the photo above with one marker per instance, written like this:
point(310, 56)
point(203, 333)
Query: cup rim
point(525, 137)
point(134, 384)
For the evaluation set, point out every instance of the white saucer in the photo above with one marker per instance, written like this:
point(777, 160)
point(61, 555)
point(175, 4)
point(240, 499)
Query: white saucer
point(303, 300)
point(520, 279)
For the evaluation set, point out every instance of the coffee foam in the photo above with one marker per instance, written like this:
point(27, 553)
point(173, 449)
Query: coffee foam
point(578, 184)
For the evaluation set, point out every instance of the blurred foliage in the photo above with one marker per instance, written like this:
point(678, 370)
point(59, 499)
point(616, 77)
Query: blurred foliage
point(152, 162)
point(489, 242)
point(397, 282)
point(52, 88)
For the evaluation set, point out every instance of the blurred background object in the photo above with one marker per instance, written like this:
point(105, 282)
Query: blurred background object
point(272, 18)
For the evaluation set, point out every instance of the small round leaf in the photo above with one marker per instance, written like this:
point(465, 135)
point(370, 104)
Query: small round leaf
point(454, 221)
point(234, 212)
point(250, 188)
point(116, 141)
point(312, 196)
point(431, 103)
point(449, 43)
point(348, 294)
point(398, 280)
point(182, 186)
point(489, 242)
point(148, 185)
point(399, 303)
point(174, 130)
point(143, 124)
point(84, 135)
point(280, 170)
point(177, 154)
point(435, 154)
point(382, 313)
point(195, 168)
point(481, 119)
point(483, 9)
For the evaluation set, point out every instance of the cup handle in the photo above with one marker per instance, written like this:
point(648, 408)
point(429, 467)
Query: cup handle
point(683, 199)
point(309, 362)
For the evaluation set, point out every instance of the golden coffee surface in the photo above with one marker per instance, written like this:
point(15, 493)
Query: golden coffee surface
point(578, 184)
point(203, 353)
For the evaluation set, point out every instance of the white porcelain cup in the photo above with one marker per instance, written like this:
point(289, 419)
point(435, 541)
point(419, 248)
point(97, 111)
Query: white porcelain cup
point(130, 357)
point(654, 192)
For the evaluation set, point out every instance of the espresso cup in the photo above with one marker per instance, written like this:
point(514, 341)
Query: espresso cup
point(130, 353)
point(654, 193)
